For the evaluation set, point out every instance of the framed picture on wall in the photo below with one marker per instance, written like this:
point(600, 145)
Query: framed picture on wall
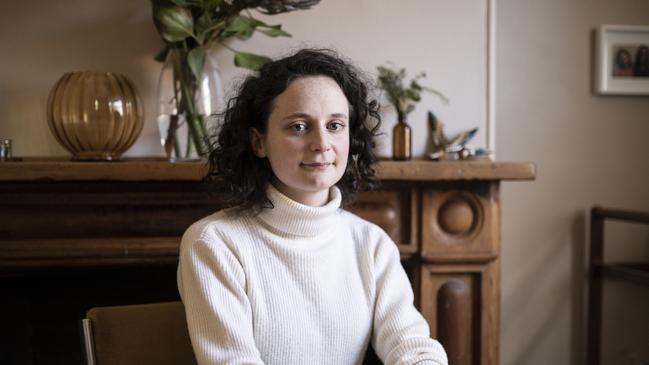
point(622, 60)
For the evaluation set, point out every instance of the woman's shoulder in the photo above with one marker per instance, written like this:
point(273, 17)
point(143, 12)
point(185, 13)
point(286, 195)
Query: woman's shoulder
point(356, 221)
point(214, 229)
point(371, 238)
point(366, 230)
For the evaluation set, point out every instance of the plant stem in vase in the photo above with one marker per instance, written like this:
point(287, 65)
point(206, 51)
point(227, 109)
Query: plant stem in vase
point(184, 103)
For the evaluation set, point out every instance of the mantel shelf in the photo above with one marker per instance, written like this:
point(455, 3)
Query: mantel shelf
point(151, 169)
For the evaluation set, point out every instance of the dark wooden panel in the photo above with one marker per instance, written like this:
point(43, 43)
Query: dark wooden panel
point(30, 254)
point(475, 331)
point(101, 209)
point(393, 208)
point(460, 222)
point(455, 319)
point(434, 278)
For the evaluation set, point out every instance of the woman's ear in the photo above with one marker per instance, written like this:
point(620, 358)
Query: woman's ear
point(257, 143)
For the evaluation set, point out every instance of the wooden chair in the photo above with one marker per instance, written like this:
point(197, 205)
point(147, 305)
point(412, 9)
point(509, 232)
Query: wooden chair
point(137, 335)
point(144, 334)
point(637, 272)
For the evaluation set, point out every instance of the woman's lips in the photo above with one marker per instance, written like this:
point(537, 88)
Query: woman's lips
point(317, 165)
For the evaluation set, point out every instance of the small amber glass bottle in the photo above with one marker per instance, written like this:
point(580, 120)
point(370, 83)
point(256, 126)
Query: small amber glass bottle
point(401, 141)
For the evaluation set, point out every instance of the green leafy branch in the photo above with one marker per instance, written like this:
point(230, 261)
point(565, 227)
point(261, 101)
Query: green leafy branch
point(196, 24)
point(403, 97)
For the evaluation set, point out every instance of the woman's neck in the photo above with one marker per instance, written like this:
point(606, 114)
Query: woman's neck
point(295, 218)
point(310, 198)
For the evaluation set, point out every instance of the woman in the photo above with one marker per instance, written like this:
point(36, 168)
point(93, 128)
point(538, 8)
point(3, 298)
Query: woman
point(623, 64)
point(641, 64)
point(284, 276)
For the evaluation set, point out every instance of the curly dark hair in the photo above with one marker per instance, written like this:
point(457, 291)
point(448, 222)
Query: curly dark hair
point(239, 178)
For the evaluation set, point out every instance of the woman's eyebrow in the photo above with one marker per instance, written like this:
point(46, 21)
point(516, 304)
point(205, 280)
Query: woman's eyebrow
point(297, 115)
point(307, 116)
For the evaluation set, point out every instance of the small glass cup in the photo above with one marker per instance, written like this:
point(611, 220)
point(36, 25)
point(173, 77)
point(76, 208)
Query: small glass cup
point(5, 149)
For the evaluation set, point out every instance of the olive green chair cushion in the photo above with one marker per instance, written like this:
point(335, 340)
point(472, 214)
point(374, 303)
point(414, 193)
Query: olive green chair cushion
point(141, 334)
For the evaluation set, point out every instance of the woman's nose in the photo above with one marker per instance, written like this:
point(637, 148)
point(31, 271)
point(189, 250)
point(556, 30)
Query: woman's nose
point(320, 141)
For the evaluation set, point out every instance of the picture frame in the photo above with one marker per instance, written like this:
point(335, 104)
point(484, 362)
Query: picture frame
point(622, 60)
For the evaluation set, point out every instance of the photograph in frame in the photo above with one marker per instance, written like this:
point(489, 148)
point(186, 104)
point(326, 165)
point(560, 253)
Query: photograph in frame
point(622, 60)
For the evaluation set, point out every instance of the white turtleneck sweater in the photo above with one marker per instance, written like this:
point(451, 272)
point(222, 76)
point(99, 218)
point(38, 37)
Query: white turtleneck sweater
point(299, 285)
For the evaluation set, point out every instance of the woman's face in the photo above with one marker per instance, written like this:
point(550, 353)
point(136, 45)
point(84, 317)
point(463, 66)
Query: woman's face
point(306, 139)
point(623, 59)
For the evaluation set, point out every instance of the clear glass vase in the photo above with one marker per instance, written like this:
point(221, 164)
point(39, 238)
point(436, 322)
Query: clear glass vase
point(185, 104)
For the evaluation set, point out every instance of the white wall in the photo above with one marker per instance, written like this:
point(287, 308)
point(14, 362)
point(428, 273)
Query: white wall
point(589, 150)
point(44, 39)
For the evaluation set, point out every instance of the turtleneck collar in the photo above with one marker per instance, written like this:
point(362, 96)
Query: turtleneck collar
point(298, 219)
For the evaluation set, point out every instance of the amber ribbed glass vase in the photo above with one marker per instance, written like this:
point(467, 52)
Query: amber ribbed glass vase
point(95, 115)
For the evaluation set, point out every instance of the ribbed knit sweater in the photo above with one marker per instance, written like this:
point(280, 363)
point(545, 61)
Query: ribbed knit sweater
point(298, 285)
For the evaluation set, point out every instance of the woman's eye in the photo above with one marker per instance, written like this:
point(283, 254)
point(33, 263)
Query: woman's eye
point(298, 127)
point(336, 126)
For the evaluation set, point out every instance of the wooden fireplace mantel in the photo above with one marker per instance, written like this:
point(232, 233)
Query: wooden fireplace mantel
point(92, 222)
point(152, 169)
